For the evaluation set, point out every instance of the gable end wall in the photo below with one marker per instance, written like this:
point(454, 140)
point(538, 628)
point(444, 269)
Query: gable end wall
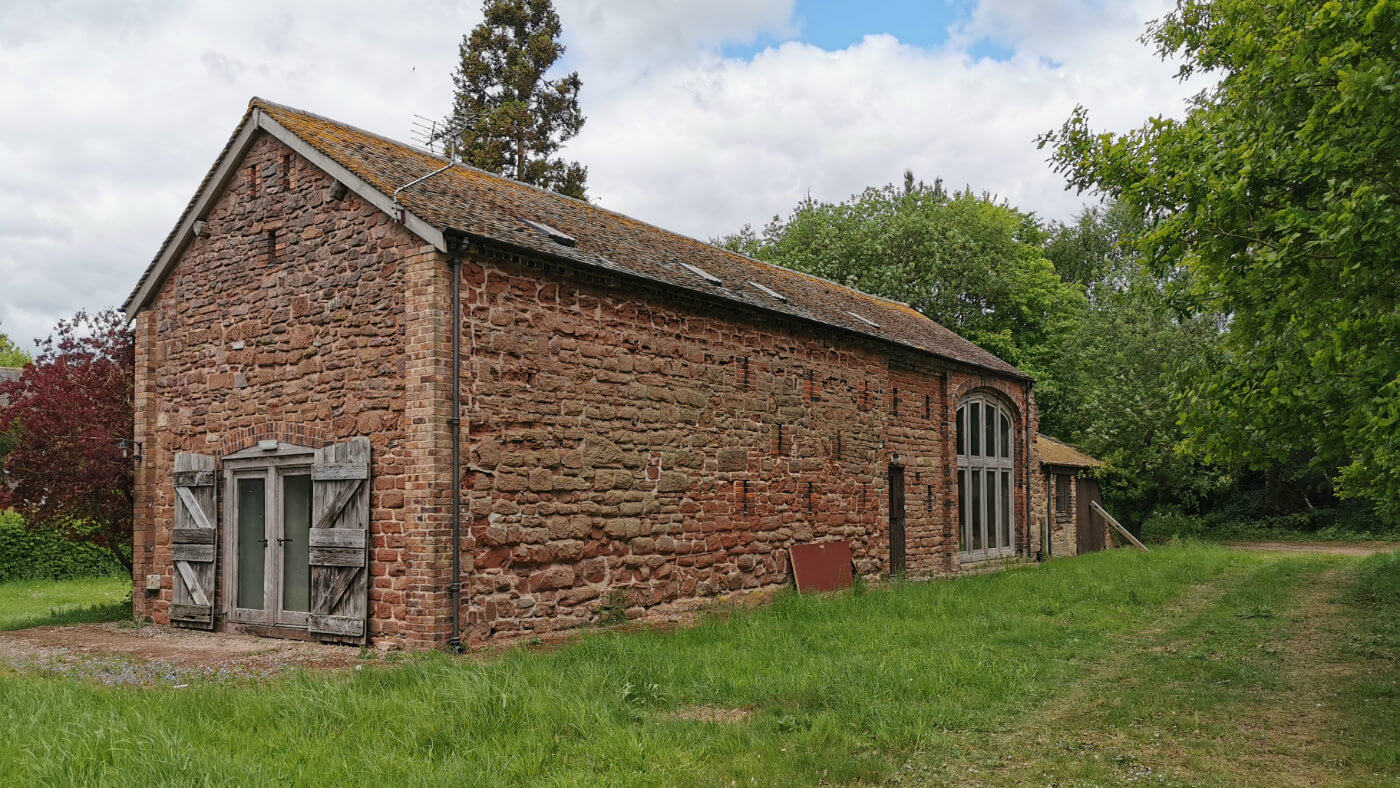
point(343, 333)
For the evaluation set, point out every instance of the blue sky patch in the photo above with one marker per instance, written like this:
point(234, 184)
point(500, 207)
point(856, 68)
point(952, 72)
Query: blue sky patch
point(837, 24)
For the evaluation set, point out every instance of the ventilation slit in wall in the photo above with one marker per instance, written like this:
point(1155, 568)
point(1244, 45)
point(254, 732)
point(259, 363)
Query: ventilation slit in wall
point(811, 503)
point(744, 496)
point(271, 246)
point(927, 407)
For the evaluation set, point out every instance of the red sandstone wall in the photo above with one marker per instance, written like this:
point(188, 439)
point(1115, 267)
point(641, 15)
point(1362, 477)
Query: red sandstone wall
point(609, 433)
point(323, 328)
point(610, 437)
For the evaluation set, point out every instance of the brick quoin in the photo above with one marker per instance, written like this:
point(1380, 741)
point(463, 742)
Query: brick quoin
point(620, 442)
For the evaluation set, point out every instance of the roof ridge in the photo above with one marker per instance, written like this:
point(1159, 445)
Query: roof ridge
point(649, 251)
point(257, 100)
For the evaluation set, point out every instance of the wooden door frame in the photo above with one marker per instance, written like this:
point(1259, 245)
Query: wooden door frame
point(966, 463)
point(898, 520)
point(1088, 526)
point(272, 465)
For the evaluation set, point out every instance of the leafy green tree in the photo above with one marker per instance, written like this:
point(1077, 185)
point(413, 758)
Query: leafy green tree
point(11, 355)
point(1125, 359)
point(1278, 191)
point(516, 119)
point(973, 264)
point(1131, 348)
point(1091, 250)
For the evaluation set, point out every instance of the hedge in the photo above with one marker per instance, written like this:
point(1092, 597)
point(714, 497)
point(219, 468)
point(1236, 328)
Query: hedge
point(41, 555)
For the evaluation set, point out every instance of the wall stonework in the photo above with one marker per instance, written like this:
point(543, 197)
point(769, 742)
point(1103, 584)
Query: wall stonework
point(621, 445)
point(1063, 525)
point(316, 291)
point(644, 444)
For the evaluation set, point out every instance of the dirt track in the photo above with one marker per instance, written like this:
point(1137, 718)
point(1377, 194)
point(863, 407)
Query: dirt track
point(1335, 548)
point(115, 654)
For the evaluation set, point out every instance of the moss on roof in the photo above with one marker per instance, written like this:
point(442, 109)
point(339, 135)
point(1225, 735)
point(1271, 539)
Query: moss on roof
point(490, 208)
point(1055, 452)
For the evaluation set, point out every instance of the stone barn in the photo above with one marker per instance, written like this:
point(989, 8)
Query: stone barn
point(1073, 525)
point(386, 399)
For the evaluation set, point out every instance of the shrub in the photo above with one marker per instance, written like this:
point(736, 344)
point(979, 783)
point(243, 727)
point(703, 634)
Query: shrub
point(44, 555)
point(1347, 521)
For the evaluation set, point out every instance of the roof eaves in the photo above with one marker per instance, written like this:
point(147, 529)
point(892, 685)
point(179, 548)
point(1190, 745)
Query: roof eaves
point(214, 182)
point(722, 295)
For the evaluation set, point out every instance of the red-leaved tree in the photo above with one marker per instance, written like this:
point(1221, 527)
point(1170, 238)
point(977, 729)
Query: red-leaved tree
point(64, 433)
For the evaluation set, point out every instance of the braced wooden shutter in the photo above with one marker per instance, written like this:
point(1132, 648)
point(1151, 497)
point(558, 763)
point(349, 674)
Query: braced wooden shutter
point(339, 540)
point(192, 542)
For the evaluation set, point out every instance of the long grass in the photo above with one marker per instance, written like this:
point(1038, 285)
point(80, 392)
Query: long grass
point(837, 688)
point(33, 603)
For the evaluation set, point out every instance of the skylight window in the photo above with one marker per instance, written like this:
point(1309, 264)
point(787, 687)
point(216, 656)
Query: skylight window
point(862, 318)
point(700, 272)
point(771, 293)
point(557, 236)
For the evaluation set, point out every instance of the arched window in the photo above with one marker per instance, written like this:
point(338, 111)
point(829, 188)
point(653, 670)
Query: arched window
point(986, 462)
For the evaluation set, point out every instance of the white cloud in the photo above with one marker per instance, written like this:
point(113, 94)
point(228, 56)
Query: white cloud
point(115, 110)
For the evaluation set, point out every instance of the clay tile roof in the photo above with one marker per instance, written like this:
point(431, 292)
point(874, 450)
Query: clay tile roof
point(1053, 452)
point(489, 208)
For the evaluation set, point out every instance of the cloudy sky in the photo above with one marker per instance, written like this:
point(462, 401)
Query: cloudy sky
point(703, 115)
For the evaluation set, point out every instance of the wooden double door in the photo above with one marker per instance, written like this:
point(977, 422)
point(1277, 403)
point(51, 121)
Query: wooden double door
point(293, 537)
point(270, 515)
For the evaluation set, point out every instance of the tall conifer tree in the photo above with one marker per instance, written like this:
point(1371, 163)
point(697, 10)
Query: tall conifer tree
point(515, 118)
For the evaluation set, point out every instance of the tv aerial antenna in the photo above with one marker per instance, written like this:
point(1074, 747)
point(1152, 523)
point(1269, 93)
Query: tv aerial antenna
point(437, 135)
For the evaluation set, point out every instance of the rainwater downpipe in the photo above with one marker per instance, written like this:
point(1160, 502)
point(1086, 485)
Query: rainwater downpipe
point(1029, 444)
point(454, 422)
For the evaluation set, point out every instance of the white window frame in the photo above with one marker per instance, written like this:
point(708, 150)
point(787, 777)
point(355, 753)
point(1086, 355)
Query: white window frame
point(977, 465)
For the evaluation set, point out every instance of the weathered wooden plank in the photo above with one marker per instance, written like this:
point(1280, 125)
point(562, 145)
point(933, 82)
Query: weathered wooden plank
point(339, 471)
point(337, 556)
point(194, 589)
point(197, 553)
point(194, 554)
point(336, 506)
point(195, 614)
point(1124, 531)
point(195, 507)
point(338, 537)
point(194, 478)
point(339, 508)
point(346, 626)
point(192, 536)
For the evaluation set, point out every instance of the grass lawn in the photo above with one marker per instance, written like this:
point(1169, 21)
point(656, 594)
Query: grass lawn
point(33, 603)
point(1191, 665)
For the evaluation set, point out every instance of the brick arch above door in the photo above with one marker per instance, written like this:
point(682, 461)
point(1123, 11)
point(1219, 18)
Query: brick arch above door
point(299, 434)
